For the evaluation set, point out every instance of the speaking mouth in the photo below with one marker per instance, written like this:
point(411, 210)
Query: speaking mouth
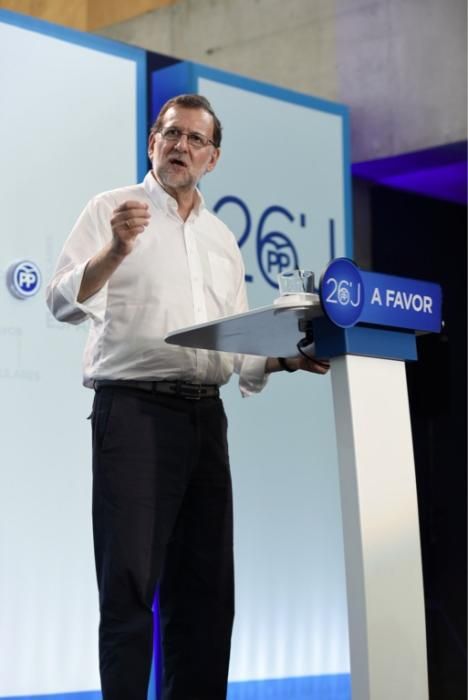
point(178, 162)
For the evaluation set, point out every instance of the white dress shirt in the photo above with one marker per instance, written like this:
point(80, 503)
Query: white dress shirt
point(179, 274)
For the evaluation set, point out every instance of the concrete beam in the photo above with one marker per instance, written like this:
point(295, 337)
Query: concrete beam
point(87, 15)
point(103, 13)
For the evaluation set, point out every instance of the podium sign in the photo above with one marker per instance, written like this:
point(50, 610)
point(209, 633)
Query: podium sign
point(351, 296)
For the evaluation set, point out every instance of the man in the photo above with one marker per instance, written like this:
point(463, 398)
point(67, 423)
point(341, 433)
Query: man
point(142, 261)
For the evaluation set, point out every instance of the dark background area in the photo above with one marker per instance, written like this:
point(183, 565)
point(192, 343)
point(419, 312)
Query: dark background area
point(416, 236)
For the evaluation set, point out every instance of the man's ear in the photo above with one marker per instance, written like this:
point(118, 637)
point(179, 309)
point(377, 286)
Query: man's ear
point(150, 145)
point(213, 160)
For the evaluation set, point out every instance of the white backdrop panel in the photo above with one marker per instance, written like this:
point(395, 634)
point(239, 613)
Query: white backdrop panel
point(68, 124)
point(291, 615)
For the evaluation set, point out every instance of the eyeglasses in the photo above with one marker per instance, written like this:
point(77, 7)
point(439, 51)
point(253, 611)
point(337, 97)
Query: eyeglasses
point(196, 140)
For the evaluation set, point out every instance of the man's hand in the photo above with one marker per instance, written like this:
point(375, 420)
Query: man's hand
point(128, 221)
point(308, 364)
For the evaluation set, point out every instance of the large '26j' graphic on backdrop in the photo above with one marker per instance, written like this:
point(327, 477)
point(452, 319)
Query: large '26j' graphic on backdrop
point(276, 253)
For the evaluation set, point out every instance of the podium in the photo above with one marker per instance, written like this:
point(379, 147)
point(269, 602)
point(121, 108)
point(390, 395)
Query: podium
point(363, 323)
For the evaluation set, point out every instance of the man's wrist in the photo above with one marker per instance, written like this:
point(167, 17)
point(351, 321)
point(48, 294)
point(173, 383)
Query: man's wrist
point(279, 364)
point(117, 252)
point(284, 365)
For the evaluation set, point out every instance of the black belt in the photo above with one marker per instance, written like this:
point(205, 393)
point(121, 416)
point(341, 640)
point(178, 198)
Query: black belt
point(177, 388)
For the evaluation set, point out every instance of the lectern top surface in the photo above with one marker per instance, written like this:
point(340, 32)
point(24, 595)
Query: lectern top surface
point(273, 330)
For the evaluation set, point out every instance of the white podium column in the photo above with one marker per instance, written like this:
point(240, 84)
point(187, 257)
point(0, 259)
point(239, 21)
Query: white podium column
point(381, 529)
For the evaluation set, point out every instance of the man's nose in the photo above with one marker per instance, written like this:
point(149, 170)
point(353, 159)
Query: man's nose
point(182, 141)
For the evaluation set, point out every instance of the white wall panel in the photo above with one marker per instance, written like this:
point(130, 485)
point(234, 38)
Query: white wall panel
point(291, 617)
point(68, 125)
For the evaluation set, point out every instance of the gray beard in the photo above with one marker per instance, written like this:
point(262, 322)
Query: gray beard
point(168, 180)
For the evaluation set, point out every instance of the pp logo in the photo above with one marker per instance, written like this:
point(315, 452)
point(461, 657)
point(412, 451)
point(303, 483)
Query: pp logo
point(342, 292)
point(23, 279)
point(276, 255)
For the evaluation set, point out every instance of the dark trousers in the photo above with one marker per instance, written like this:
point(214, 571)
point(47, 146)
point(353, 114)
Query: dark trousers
point(162, 516)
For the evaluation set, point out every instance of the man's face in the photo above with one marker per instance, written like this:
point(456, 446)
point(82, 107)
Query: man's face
point(178, 165)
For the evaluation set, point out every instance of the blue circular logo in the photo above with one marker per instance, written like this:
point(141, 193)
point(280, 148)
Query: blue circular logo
point(23, 279)
point(342, 292)
point(276, 254)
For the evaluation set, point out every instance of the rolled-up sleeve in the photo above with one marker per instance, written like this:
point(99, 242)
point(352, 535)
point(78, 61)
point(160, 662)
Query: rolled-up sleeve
point(62, 297)
point(252, 375)
point(86, 239)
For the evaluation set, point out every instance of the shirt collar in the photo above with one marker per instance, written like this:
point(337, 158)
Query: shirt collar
point(164, 200)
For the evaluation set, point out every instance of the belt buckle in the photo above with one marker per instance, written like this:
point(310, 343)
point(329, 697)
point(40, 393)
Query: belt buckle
point(192, 391)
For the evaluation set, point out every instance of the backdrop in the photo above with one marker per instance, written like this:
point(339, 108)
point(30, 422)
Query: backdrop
point(73, 122)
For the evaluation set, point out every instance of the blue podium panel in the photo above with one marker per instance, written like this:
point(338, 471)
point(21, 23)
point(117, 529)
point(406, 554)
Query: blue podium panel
point(72, 106)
